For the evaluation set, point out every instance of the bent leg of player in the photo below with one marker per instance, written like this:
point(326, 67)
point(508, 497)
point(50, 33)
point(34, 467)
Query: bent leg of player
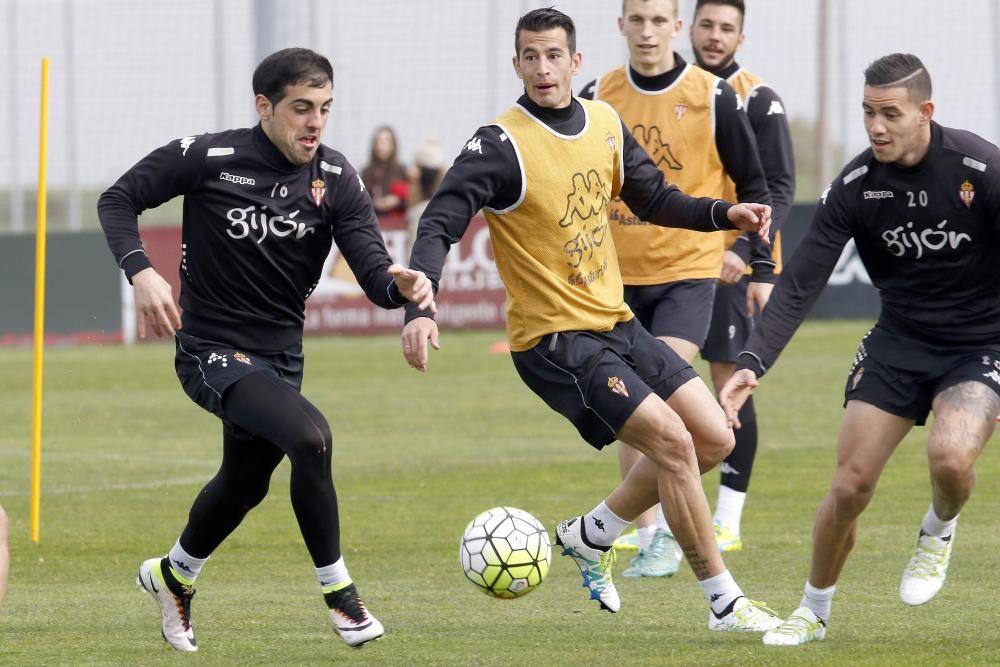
point(268, 407)
point(238, 487)
point(868, 436)
point(657, 429)
point(962, 425)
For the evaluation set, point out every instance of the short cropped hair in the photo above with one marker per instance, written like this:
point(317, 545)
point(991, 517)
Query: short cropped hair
point(900, 70)
point(540, 20)
point(673, 5)
point(739, 5)
point(289, 67)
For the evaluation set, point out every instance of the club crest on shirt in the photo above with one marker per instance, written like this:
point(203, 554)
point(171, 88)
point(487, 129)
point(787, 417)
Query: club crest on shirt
point(680, 110)
point(242, 358)
point(616, 385)
point(318, 191)
point(966, 193)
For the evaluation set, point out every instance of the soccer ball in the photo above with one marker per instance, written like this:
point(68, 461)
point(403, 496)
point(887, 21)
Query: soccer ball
point(505, 552)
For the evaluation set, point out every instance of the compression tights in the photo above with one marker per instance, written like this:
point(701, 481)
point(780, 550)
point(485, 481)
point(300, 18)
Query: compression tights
point(283, 423)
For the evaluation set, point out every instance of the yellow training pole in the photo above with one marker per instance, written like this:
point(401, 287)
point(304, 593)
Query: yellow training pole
point(36, 414)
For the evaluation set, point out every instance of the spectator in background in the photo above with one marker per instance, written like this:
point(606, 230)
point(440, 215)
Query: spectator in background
point(383, 176)
point(424, 175)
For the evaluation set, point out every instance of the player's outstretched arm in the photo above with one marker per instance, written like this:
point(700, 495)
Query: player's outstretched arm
point(735, 393)
point(154, 298)
point(415, 286)
point(754, 218)
point(416, 335)
point(758, 295)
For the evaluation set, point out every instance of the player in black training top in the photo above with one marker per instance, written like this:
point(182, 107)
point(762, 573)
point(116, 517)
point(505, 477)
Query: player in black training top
point(716, 36)
point(922, 205)
point(262, 207)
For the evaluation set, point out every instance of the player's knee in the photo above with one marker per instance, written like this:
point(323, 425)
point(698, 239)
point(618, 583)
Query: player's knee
point(952, 470)
point(851, 495)
point(251, 496)
point(714, 449)
point(672, 449)
point(310, 444)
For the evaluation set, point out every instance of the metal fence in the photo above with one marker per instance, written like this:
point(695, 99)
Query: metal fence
point(130, 75)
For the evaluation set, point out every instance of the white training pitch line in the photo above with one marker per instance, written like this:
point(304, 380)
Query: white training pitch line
point(100, 488)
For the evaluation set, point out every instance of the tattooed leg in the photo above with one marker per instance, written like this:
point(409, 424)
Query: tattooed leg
point(964, 417)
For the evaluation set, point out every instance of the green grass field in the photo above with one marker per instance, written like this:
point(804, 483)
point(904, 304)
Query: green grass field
point(416, 457)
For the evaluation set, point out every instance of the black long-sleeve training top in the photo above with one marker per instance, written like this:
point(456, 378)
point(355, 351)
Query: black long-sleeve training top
point(928, 235)
point(256, 232)
point(766, 112)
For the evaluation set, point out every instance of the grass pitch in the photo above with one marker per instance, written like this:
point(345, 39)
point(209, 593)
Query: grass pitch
point(416, 457)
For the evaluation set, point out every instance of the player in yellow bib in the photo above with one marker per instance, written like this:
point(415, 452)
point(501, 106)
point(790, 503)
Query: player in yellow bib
point(716, 35)
point(693, 126)
point(544, 173)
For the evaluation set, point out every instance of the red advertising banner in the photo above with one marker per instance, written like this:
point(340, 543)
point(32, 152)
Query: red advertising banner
point(471, 294)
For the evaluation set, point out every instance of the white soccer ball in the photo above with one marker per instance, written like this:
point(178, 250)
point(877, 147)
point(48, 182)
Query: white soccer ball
point(505, 552)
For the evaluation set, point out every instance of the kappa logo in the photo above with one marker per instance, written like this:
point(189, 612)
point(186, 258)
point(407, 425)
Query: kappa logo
point(658, 149)
point(825, 194)
point(617, 385)
point(186, 144)
point(361, 183)
point(993, 375)
point(221, 359)
point(242, 358)
point(590, 196)
point(475, 145)
point(182, 565)
point(599, 524)
point(680, 110)
point(775, 108)
point(610, 139)
point(727, 469)
point(238, 180)
point(318, 190)
point(878, 194)
point(966, 192)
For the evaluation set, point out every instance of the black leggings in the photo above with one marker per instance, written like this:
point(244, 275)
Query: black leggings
point(281, 422)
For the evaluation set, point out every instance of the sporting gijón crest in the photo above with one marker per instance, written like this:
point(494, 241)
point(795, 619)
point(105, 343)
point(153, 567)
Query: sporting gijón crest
point(318, 191)
point(617, 385)
point(967, 193)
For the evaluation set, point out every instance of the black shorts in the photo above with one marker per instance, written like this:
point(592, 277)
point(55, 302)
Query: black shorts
point(730, 329)
point(681, 309)
point(597, 380)
point(207, 369)
point(902, 375)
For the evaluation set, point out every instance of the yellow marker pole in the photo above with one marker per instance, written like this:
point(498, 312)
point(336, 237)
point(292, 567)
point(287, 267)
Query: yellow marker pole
point(36, 414)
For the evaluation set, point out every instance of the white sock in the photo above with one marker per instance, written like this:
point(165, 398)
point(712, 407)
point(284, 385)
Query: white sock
point(333, 577)
point(186, 567)
point(601, 527)
point(661, 519)
point(645, 535)
point(729, 508)
point(933, 525)
point(818, 600)
point(720, 591)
